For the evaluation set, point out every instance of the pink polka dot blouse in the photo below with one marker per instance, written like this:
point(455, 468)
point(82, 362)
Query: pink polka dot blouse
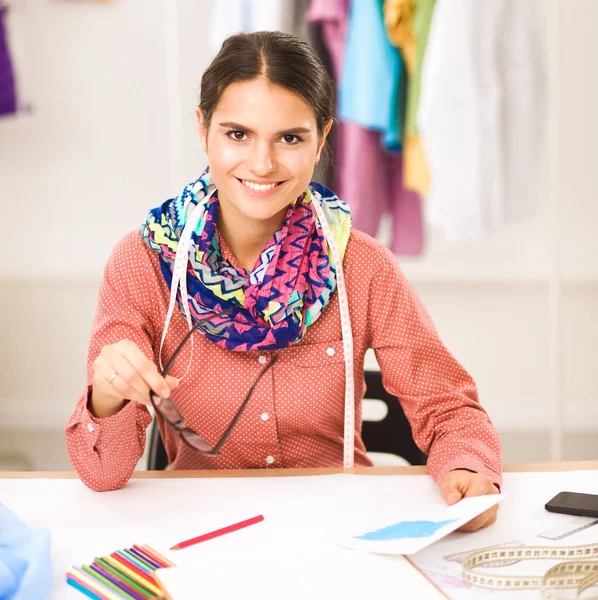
point(295, 416)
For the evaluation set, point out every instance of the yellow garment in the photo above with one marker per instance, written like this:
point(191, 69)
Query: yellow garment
point(407, 24)
point(398, 20)
point(416, 173)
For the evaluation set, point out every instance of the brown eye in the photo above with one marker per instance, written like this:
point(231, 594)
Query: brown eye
point(238, 136)
point(291, 139)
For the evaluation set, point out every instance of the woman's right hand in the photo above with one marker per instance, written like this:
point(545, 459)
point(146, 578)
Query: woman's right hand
point(123, 372)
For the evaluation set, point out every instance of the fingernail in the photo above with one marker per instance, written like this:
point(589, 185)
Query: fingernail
point(454, 497)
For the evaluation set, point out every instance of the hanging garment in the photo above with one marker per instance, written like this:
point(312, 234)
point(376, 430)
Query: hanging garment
point(482, 113)
point(371, 180)
point(408, 23)
point(333, 18)
point(8, 87)
point(369, 175)
point(398, 20)
point(245, 16)
point(328, 21)
point(370, 84)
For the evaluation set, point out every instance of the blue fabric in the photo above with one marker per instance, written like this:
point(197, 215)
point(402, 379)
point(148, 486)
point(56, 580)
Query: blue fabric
point(25, 562)
point(370, 87)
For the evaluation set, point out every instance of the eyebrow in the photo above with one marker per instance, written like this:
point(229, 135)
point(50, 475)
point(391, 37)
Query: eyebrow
point(292, 131)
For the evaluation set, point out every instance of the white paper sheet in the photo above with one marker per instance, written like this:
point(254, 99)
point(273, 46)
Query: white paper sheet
point(410, 531)
point(298, 574)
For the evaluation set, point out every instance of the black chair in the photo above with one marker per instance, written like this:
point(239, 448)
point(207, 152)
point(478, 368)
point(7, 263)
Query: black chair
point(391, 435)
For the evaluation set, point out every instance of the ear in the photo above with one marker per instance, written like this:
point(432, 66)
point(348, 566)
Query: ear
point(327, 129)
point(203, 130)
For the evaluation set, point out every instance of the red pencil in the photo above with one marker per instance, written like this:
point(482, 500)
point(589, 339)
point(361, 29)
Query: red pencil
point(208, 536)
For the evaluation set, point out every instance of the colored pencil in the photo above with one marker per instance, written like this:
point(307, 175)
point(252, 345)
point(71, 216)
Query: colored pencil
point(110, 584)
point(126, 574)
point(116, 580)
point(82, 589)
point(120, 566)
point(130, 582)
point(120, 556)
point(133, 559)
point(152, 564)
point(218, 532)
point(107, 588)
point(156, 555)
point(95, 586)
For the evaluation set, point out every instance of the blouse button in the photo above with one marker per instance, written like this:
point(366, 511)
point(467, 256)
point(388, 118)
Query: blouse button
point(262, 360)
point(265, 416)
point(90, 428)
point(331, 351)
point(269, 459)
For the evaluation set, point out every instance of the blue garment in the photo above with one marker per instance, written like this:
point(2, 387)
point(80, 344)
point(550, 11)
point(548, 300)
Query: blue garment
point(370, 87)
point(25, 562)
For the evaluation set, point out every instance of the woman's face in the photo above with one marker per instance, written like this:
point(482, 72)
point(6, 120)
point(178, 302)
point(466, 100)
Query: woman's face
point(262, 145)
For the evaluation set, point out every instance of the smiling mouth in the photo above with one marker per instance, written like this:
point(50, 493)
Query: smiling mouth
point(259, 187)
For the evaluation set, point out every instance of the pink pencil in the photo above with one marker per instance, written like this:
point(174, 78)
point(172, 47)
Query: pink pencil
point(213, 534)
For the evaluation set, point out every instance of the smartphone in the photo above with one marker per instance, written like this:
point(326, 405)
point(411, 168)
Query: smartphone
point(572, 503)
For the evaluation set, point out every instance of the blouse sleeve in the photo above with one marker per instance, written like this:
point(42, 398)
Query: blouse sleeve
point(438, 396)
point(105, 451)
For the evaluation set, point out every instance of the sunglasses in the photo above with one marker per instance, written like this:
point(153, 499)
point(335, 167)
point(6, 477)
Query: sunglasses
point(170, 413)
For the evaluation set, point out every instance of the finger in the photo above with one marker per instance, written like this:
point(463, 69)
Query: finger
point(478, 487)
point(449, 490)
point(484, 520)
point(128, 378)
point(127, 383)
point(103, 375)
point(172, 382)
point(145, 367)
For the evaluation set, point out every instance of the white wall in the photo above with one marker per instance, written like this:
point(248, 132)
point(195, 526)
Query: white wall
point(94, 154)
point(108, 140)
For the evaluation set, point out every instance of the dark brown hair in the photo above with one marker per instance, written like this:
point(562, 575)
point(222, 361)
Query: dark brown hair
point(279, 58)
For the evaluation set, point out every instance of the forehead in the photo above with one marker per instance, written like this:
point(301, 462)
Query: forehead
point(258, 104)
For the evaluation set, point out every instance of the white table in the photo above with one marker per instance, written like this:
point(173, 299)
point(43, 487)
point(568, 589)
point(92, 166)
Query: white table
point(304, 510)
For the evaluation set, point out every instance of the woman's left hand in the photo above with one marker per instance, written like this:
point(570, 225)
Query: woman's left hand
point(459, 484)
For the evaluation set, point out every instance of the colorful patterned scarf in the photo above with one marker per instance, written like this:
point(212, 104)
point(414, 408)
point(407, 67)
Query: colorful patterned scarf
point(286, 292)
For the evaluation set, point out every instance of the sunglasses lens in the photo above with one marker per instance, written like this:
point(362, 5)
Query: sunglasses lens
point(197, 442)
point(168, 411)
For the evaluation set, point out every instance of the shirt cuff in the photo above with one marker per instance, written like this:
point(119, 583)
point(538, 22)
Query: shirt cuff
point(92, 426)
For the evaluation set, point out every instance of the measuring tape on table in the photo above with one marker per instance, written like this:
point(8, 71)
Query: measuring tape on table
point(579, 569)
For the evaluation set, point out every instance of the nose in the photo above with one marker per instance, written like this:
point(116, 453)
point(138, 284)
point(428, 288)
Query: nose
point(262, 160)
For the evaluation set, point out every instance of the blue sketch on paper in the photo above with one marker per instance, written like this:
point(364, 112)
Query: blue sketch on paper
point(404, 529)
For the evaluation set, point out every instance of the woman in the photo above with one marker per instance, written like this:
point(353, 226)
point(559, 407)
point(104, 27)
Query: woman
point(283, 295)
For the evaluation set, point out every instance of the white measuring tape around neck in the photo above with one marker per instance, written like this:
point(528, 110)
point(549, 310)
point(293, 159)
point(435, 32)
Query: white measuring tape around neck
point(179, 271)
point(579, 569)
point(347, 333)
point(179, 282)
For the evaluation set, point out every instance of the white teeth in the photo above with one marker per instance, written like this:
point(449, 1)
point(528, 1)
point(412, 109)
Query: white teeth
point(258, 187)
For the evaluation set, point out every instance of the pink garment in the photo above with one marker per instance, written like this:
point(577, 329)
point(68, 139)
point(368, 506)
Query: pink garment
point(333, 15)
point(295, 418)
point(368, 177)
